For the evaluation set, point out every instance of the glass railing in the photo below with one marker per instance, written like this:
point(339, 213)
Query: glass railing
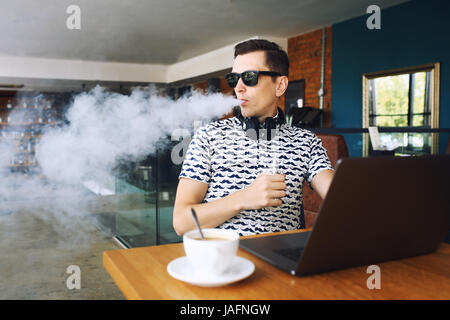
point(145, 195)
point(412, 141)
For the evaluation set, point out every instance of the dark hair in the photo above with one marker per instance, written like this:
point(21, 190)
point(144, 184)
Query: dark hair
point(276, 58)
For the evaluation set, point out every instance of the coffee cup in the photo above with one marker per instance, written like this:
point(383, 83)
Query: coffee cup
point(214, 255)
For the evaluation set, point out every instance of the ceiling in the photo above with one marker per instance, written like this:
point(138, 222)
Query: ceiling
point(160, 31)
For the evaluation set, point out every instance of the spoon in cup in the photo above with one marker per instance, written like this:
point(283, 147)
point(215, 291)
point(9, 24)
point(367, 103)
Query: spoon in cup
point(194, 216)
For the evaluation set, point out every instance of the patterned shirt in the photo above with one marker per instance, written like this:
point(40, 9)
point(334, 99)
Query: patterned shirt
point(222, 155)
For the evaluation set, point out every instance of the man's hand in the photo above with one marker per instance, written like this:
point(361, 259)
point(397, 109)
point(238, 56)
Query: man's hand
point(265, 191)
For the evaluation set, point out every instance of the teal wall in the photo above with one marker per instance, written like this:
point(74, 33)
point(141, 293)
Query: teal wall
point(413, 33)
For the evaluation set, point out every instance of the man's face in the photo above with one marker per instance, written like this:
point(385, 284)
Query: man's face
point(261, 100)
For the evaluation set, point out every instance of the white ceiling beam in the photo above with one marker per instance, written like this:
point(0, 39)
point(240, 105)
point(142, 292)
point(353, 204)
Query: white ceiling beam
point(24, 67)
point(39, 68)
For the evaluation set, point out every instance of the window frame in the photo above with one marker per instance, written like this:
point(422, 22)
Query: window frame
point(433, 68)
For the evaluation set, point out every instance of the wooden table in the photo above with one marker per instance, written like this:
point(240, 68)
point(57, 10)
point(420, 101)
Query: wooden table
point(141, 273)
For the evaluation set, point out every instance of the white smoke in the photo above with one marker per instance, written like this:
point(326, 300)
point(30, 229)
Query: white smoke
point(106, 126)
point(103, 129)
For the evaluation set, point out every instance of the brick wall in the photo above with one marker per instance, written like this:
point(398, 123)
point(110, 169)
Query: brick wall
point(305, 56)
point(200, 86)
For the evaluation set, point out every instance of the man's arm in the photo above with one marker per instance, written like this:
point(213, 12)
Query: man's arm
point(321, 182)
point(265, 191)
point(190, 194)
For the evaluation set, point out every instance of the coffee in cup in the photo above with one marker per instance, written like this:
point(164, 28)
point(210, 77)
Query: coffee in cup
point(213, 255)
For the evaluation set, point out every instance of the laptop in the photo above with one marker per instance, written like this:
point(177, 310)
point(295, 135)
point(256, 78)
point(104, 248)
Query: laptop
point(377, 209)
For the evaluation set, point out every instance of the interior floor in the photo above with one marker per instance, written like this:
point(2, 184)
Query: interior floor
point(37, 249)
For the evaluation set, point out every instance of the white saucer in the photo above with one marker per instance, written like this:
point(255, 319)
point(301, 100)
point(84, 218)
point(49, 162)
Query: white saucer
point(181, 269)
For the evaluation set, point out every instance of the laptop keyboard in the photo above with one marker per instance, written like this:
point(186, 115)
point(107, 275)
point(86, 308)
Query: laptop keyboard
point(293, 254)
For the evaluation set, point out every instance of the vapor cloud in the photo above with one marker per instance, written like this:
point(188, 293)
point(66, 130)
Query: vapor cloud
point(103, 128)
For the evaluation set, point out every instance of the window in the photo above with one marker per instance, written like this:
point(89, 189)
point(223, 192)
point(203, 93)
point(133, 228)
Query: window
point(406, 98)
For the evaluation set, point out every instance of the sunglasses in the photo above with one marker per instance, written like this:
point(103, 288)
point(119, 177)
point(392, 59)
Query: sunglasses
point(250, 77)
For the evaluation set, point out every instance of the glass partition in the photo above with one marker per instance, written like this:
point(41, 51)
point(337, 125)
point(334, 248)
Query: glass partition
point(145, 195)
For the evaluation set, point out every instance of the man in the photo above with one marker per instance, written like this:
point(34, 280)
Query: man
point(225, 174)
